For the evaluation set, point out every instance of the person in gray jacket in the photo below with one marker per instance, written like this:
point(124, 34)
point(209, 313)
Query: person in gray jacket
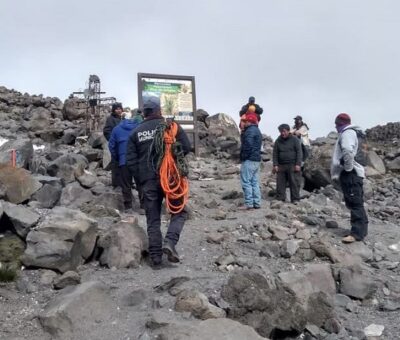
point(287, 158)
point(350, 175)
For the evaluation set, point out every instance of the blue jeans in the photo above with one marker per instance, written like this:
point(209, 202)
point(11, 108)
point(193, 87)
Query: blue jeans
point(250, 180)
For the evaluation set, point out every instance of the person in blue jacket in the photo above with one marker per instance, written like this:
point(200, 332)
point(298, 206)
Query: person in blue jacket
point(117, 144)
point(250, 156)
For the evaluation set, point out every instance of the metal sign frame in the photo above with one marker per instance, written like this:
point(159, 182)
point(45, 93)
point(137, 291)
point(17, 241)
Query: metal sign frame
point(164, 79)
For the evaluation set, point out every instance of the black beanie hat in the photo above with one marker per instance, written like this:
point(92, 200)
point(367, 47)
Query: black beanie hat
point(116, 106)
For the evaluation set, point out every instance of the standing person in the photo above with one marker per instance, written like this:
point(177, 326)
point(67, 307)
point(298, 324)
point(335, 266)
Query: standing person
point(148, 179)
point(112, 121)
point(287, 158)
point(350, 174)
point(250, 156)
point(117, 144)
point(300, 130)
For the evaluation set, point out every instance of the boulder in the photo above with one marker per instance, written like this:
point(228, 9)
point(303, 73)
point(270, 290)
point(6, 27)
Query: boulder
point(279, 305)
point(19, 185)
point(24, 152)
point(69, 136)
point(279, 233)
point(317, 167)
point(73, 313)
point(62, 241)
point(68, 167)
point(394, 165)
point(106, 161)
point(198, 305)
point(290, 247)
point(87, 180)
point(376, 163)
point(123, 245)
point(74, 109)
point(355, 283)
point(220, 134)
point(69, 278)
point(73, 196)
point(211, 329)
point(92, 155)
point(110, 199)
point(39, 119)
point(48, 196)
point(96, 140)
point(22, 218)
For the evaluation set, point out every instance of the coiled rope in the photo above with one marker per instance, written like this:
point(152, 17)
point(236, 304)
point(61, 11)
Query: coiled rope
point(168, 159)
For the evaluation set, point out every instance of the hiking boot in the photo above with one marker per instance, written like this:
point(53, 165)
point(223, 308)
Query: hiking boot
point(156, 263)
point(349, 239)
point(256, 207)
point(244, 207)
point(170, 251)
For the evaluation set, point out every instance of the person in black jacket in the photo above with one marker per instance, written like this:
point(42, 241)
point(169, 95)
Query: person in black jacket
point(250, 156)
point(148, 180)
point(258, 110)
point(287, 158)
point(112, 121)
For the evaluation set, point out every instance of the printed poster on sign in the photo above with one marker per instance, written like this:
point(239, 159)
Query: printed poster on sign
point(176, 96)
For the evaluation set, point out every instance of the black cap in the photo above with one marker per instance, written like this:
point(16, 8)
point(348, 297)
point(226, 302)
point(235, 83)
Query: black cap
point(298, 118)
point(284, 127)
point(252, 100)
point(151, 106)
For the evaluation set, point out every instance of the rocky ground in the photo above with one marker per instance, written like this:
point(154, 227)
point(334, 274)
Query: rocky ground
point(279, 272)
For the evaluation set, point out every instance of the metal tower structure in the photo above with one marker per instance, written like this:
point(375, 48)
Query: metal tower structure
point(94, 102)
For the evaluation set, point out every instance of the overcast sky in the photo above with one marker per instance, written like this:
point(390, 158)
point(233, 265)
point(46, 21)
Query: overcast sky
point(313, 57)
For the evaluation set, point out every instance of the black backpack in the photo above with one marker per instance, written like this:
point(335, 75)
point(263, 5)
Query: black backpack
point(361, 156)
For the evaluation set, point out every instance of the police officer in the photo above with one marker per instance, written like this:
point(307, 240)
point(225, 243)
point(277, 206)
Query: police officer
point(148, 179)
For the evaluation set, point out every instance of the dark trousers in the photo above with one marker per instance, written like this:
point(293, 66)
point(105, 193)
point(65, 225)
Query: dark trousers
point(352, 187)
point(153, 196)
point(287, 174)
point(114, 173)
point(125, 182)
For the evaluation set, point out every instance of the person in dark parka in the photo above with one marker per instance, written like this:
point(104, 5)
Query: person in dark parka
point(287, 158)
point(112, 121)
point(147, 178)
point(117, 145)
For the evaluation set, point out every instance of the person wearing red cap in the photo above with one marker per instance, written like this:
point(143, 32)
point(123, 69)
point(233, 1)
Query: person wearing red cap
point(350, 174)
point(250, 156)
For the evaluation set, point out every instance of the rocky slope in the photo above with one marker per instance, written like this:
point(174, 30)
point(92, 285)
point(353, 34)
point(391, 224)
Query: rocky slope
point(279, 272)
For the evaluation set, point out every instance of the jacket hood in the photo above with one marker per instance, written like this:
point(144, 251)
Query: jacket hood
point(351, 126)
point(129, 124)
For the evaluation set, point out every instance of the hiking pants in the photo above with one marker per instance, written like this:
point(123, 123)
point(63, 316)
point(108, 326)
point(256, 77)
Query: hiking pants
point(250, 180)
point(125, 182)
point(153, 196)
point(352, 187)
point(286, 174)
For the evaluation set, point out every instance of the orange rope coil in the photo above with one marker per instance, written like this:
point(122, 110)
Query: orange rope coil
point(175, 186)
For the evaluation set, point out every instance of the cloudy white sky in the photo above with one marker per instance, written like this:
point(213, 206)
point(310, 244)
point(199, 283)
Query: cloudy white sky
point(310, 57)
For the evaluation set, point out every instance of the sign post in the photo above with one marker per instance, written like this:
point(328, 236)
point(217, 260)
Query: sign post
point(177, 99)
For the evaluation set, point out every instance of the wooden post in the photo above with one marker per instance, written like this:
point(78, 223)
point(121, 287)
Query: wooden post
point(13, 158)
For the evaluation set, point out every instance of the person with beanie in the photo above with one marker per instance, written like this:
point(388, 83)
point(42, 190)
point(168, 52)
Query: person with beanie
point(287, 158)
point(117, 145)
point(250, 156)
point(251, 106)
point(112, 121)
point(350, 174)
